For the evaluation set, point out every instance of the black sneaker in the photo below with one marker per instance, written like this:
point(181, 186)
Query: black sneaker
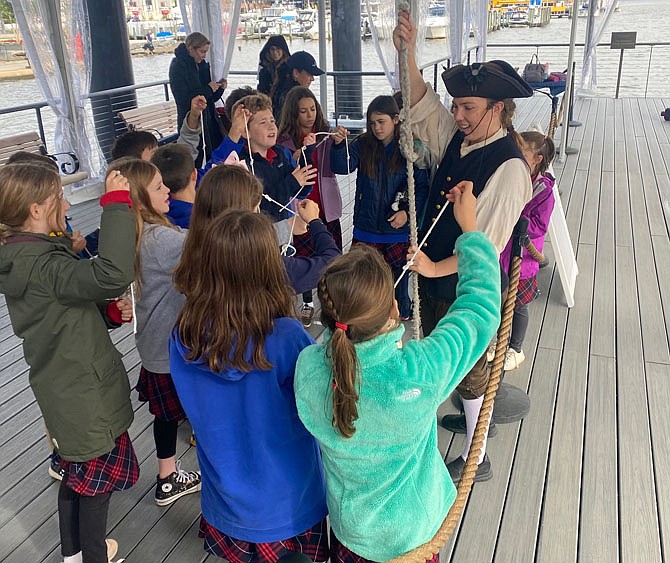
point(56, 471)
point(177, 485)
point(456, 423)
point(484, 471)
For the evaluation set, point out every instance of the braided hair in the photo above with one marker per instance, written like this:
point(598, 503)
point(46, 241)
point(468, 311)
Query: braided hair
point(356, 295)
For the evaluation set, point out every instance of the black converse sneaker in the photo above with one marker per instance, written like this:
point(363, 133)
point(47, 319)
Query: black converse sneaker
point(56, 470)
point(177, 485)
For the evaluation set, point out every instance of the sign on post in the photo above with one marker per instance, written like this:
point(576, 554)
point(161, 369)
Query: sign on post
point(622, 40)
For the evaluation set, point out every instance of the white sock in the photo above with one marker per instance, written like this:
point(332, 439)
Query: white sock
point(471, 408)
point(76, 558)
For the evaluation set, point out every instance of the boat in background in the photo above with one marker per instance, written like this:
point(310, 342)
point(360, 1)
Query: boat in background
point(437, 22)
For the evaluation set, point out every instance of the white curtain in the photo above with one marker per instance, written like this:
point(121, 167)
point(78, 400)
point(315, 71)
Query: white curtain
point(57, 40)
point(479, 13)
point(382, 23)
point(459, 29)
point(589, 77)
point(218, 20)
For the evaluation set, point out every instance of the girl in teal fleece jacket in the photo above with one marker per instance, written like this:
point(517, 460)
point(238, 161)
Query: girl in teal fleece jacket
point(370, 401)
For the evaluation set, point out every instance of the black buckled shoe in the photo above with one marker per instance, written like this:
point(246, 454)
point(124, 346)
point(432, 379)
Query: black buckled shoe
point(456, 466)
point(456, 423)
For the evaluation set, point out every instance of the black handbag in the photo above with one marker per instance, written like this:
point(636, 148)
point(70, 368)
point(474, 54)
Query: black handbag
point(534, 71)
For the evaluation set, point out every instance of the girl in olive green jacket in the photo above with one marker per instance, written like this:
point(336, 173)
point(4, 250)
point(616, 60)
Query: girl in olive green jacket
point(56, 304)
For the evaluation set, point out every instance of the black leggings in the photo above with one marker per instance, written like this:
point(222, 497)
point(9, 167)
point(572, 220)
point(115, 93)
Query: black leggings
point(165, 437)
point(83, 524)
point(519, 327)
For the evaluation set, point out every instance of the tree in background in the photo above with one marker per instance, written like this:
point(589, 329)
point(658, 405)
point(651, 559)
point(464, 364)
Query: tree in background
point(6, 14)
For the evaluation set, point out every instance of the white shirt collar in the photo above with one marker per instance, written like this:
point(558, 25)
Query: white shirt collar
point(467, 149)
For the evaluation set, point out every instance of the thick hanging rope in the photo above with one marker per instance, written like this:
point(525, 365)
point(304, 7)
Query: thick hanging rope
point(426, 551)
point(407, 149)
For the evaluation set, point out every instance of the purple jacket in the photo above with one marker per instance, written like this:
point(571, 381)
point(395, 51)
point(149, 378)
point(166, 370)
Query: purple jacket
point(538, 212)
point(329, 191)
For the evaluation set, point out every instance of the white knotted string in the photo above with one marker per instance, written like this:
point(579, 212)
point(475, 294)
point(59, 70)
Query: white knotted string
point(410, 262)
point(202, 134)
point(132, 303)
point(251, 152)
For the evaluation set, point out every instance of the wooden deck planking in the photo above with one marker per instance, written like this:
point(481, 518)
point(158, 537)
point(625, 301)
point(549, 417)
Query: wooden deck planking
point(603, 332)
point(558, 534)
point(637, 500)
point(655, 342)
point(523, 502)
point(588, 431)
point(599, 515)
point(659, 390)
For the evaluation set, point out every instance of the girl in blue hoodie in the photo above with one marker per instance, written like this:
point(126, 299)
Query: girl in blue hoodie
point(232, 359)
point(381, 208)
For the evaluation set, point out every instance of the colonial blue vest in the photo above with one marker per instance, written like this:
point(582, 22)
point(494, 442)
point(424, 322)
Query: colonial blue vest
point(477, 166)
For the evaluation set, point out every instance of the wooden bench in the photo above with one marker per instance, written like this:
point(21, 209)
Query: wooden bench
point(159, 119)
point(68, 163)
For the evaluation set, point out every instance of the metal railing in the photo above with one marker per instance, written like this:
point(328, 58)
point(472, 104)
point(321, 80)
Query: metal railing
point(373, 82)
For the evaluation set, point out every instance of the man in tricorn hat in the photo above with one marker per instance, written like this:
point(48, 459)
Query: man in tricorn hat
point(474, 141)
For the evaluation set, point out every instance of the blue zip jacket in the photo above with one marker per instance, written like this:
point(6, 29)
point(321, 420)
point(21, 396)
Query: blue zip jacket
point(262, 479)
point(276, 176)
point(374, 196)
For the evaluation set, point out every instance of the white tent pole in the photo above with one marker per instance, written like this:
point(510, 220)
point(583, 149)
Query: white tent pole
point(568, 85)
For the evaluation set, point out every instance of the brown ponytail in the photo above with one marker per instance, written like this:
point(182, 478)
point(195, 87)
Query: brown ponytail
point(356, 294)
point(542, 145)
point(506, 117)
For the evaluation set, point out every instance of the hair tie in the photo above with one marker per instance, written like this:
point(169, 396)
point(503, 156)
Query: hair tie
point(342, 326)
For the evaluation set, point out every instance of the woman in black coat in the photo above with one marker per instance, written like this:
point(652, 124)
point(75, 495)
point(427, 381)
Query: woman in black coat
point(273, 54)
point(189, 77)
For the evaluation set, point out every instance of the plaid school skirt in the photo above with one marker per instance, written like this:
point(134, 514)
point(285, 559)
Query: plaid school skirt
point(159, 390)
point(313, 543)
point(394, 253)
point(116, 471)
point(304, 244)
point(527, 291)
point(341, 554)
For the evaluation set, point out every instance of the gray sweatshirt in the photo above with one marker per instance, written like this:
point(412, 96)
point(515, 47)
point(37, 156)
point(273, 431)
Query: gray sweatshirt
point(159, 303)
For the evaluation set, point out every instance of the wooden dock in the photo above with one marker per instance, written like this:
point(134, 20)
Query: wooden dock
point(583, 478)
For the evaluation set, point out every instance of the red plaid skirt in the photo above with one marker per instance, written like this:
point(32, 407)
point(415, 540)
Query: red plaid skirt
point(116, 471)
point(312, 543)
point(395, 253)
point(159, 390)
point(527, 291)
point(342, 554)
point(304, 245)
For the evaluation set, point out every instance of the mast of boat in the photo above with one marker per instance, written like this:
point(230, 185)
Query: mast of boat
point(568, 84)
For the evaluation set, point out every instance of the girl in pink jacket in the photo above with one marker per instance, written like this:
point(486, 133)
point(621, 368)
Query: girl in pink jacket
point(539, 151)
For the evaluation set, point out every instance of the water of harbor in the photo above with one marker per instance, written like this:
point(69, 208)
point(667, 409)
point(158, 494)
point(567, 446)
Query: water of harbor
point(643, 16)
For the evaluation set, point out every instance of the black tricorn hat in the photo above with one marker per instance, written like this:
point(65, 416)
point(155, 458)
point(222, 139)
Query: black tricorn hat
point(495, 80)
